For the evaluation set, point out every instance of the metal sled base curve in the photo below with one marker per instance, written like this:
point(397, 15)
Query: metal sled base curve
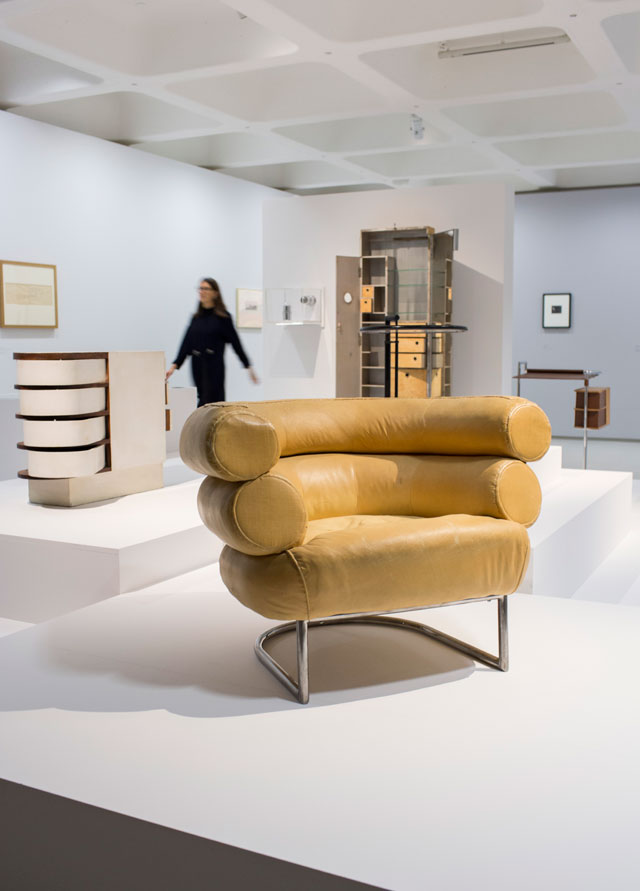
point(300, 689)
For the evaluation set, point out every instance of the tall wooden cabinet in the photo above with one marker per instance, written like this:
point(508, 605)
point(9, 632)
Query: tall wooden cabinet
point(406, 272)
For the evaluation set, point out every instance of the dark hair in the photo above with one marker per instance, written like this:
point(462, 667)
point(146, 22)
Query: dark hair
point(218, 303)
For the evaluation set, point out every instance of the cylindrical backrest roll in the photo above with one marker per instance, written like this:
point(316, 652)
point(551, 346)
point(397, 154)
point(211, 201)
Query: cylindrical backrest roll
point(237, 441)
point(333, 485)
point(271, 513)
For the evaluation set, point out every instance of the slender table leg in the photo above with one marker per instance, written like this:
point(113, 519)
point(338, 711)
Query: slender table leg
point(584, 422)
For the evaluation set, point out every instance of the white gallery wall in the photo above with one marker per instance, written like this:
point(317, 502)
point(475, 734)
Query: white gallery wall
point(130, 234)
point(302, 238)
point(585, 243)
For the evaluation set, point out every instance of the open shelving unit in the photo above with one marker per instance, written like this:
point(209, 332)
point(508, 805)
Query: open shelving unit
point(376, 302)
point(406, 273)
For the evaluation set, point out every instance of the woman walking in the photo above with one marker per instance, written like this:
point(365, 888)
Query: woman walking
point(210, 330)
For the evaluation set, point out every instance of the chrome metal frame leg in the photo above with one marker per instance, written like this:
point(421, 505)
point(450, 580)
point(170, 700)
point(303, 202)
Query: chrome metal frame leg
point(585, 416)
point(300, 688)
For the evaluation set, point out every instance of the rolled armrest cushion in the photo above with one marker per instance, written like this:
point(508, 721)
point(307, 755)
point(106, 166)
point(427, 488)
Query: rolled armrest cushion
point(262, 516)
point(231, 442)
point(333, 485)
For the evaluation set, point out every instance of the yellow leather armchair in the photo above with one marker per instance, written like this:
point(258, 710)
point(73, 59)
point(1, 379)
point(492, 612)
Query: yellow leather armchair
point(337, 510)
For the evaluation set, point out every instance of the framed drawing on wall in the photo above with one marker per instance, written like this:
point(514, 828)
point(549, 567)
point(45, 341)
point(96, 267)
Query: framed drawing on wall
point(556, 310)
point(28, 295)
point(248, 308)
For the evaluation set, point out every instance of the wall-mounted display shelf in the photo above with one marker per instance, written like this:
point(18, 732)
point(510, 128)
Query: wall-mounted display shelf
point(295, 306)
point(93, 424)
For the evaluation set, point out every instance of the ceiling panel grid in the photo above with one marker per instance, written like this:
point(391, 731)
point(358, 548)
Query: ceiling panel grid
point(341, 95)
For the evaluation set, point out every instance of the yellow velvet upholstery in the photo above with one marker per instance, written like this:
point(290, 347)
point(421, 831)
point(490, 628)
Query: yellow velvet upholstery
point(336, 506)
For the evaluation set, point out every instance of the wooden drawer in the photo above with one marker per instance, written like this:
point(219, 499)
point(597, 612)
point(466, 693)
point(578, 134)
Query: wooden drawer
point(64, 434)
point(60, 372)
point(54, 403)
point(598, 407)
point(65, 464)
point(599, 397)
point(411, 360)
point(411, 343)
point(366, 304)
point(596, 418)
point(412, 383)
point(367, 291)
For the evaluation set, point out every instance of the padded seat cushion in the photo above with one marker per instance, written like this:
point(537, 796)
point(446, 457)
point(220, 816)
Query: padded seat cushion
point(378, 563)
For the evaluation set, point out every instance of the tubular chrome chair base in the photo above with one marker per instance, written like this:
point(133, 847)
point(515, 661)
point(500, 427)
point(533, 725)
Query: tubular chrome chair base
point(300, 689)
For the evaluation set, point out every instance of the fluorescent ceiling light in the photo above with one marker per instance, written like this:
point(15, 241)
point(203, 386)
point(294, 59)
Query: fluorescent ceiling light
point(455, 48)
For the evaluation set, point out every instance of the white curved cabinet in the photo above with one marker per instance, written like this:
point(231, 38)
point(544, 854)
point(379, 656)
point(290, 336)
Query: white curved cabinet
point(94, 424)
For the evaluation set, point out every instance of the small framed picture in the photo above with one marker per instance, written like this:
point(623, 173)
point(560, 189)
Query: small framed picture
point(248, 308)
point(556, 310)
point(28, 295)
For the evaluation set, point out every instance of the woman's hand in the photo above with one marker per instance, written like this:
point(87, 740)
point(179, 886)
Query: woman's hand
point(170, 371)
point(254, 377)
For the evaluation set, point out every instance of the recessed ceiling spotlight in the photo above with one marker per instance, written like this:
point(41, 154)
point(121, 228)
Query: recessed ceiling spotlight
point(416, 127)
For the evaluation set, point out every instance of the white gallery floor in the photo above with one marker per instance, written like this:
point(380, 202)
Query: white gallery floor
point(411, 768)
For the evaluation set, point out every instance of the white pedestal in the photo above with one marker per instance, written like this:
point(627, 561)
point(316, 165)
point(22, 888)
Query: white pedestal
point(585, 515)
point(11, 459)
point(154, 706)
point(548, 469)
point(182, 402)
point(57, 559)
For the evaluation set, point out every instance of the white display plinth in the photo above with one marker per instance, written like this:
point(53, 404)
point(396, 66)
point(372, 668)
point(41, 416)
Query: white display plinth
point(182, 402)
point(585, 515)
point(548, 469)
point(410, 768)
point(11, 458)
point(58, 559)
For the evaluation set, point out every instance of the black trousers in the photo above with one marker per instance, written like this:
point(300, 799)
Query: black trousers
point(207, 370)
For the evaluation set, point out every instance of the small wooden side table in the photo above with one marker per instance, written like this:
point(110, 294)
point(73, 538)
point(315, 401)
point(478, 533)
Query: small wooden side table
point(561, 374)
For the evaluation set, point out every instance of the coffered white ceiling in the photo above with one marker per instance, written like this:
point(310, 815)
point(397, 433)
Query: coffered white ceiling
point(318, 95)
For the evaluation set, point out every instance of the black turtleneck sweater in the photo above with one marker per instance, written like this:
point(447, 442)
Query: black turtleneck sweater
point(205, 340)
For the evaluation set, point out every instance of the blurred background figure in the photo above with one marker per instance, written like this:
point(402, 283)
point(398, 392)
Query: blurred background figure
point(210, 330)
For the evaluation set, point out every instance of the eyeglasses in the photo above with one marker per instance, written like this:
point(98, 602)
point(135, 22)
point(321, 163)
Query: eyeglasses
point(204, 288)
